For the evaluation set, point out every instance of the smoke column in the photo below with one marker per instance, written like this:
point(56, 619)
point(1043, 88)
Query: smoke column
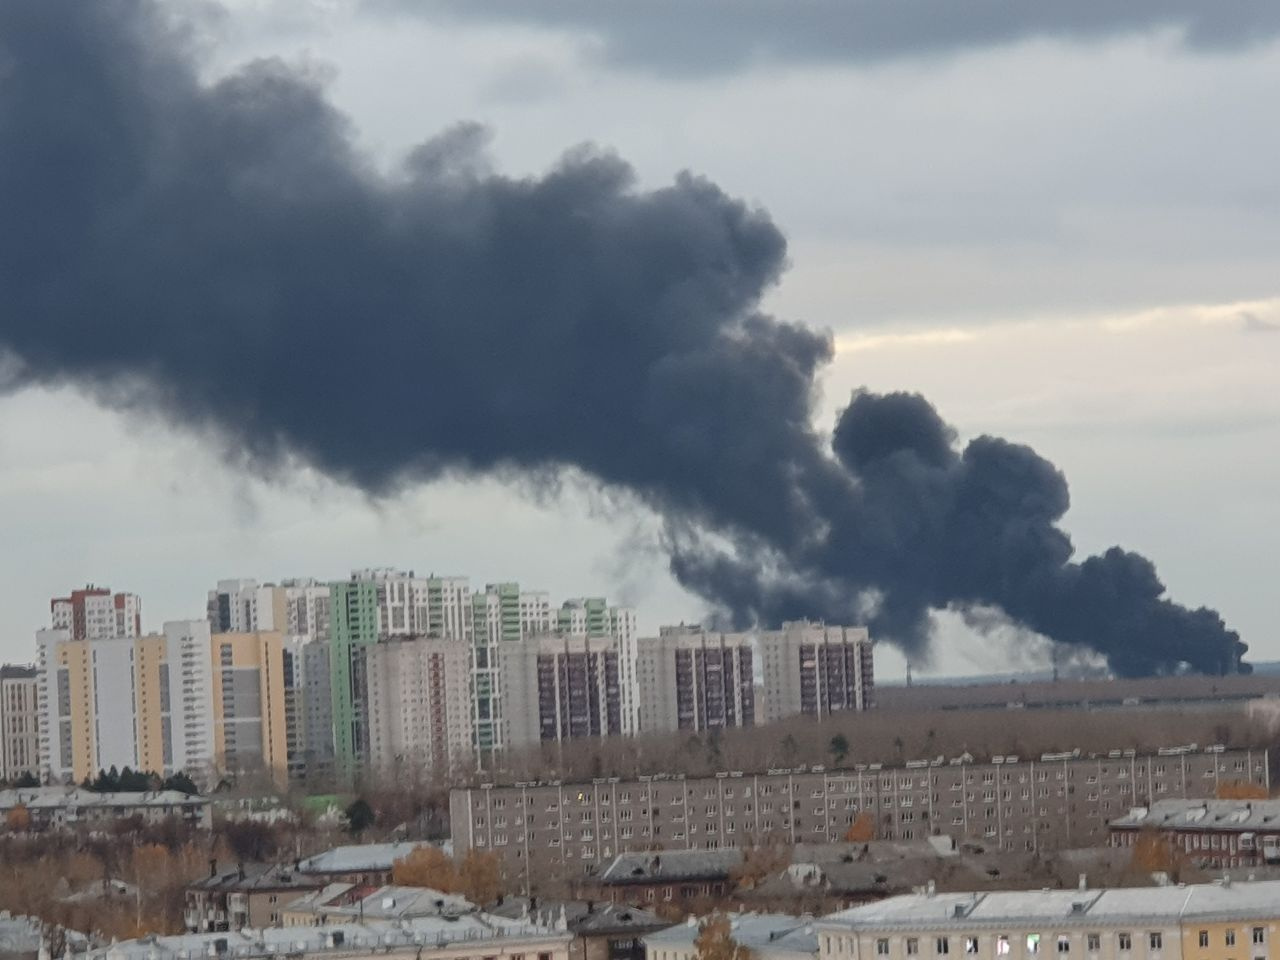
point(223, 255)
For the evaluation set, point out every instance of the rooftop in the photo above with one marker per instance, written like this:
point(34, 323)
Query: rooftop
point(1234, 816)
point(335, 939)
point(583, 917)
point(257, 877)
point(34, 798)
point(354, 858)
point(382, 903)
point(673, 865)
point(766, 934)
point(1209, 901)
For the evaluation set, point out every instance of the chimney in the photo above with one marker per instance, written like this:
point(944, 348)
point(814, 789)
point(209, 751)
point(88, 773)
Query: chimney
point(591, 906)
point(1083, 883)
point(213, 867)
point(930, 889)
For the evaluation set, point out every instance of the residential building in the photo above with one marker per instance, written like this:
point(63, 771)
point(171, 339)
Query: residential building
point(250, 715)
point(125, 701)
point(19, 722)
point(815, 669)
point(601, 931)
point(557, 688)
point(351, 902)
point(1217, 834)
point(419, 711)
point(1052, 802)
point(53, 808)
point(475, 936)
point(693, 679)
point(308, 705)
point(1216, 921)
point(293, 607)
point(375, 604)
point(362, 863)
point(669, 877)
point(594, 617)
point(253, 895)
point(768, 936)
point(354, 622)
point(502, 614)
point(95, 613)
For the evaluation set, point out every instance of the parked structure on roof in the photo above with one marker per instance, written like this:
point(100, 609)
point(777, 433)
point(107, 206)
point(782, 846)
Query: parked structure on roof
point(1211, 833)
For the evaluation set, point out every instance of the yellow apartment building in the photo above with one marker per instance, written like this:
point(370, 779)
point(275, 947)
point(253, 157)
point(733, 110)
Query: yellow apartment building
point(125, 701)
point(249, 703)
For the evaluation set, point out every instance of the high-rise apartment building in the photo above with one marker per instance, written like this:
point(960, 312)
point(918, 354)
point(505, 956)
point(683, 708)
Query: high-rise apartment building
point(594, 617)
point(137, 701)
point(250, 720)
point(502, 614)
point(559, 687)
point(815, 669)
point(19, 722)
point(308, 706)
point(692, 679)
point(375, 604)
point(95, 612)
point(292, 608)
point(419, 711)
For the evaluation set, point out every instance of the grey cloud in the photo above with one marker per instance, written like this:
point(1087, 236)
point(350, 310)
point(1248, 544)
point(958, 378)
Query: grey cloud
point(1252, 323)
point(718, 35)
point(222, 255)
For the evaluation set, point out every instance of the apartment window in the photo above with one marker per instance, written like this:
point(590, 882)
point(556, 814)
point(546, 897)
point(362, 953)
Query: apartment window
point(1124, 941)
point(1064, 943)
point(1230, 938)
point(1033, 944)
point(913, 946)
point(1155, 940)
point(942, 946)
point(1093, 942)
point(1259, 934)
point(1002, 945)
point(1204, 938)
point(882, 947)
point(970, 944)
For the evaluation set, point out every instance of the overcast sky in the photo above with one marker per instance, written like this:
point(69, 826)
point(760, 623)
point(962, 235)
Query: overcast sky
point(1065, 233)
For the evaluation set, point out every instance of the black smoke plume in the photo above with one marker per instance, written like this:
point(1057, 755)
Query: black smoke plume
point(223, 255)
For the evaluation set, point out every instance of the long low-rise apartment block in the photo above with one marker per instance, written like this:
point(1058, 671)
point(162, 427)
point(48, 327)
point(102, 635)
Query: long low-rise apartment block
point(66, 807)
point(1218, 921)
point(1010, 803)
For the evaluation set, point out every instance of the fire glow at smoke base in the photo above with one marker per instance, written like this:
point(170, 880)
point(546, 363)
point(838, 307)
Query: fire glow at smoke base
point(224, 255)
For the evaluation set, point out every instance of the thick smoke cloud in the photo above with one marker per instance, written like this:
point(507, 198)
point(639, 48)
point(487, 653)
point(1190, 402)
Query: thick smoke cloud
point(223, 255)
point(720, 35)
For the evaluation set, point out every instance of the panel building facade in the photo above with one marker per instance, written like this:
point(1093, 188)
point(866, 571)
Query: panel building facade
point(693, 679)
point(814, 669)
point(1009, 803)
point(418, 705)
point(558, 688)
point(19, 722)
